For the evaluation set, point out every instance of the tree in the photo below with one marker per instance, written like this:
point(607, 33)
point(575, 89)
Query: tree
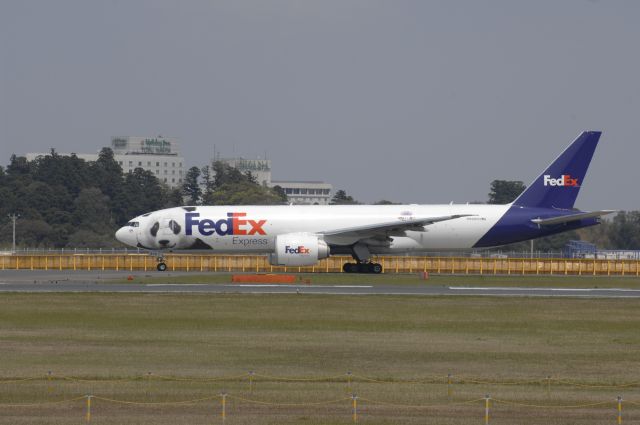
point(191, 187)
point(278, 190)
point(18, 166)
point(207, 183)
point(66, 201)
point(31, 233)
point(42, 200)
point(251, 177)
point(245, 193)
point(84, 238)
point(599, 235)
point(341, 198)
point(91, 211)
point(505, 191)
point(141, 193)
point(107, 173)
point(625, 230)
point(68, 171)
point(173, 198)
point(231, 187)
point(224, 173)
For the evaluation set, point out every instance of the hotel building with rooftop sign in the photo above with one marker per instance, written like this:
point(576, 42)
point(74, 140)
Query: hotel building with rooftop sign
point(160, 155)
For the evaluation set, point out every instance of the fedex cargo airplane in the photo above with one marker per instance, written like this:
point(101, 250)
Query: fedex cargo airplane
point(300, 235)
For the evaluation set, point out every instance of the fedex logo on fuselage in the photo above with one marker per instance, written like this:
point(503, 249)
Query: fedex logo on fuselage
point(564, 180)
point(234, 224)
point(297, 250)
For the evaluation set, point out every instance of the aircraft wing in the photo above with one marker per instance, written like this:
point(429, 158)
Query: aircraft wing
point(569, 218)
point(384, 229)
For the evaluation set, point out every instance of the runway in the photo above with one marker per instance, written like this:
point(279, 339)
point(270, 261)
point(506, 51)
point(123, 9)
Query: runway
point(99, 282)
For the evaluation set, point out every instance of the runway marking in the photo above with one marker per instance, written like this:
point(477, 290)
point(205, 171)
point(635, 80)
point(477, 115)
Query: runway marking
point(504, 288)
point(259, 285)
point(285, 285)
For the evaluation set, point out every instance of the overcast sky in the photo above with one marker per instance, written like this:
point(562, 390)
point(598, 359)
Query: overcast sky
point(411, 101)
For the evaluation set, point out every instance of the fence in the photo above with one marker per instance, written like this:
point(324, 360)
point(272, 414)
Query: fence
point(259, 264)
point(486, 253)
point(351, 397)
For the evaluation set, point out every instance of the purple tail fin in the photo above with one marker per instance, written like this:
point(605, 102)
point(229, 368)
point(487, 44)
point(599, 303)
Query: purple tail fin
point(559, 184)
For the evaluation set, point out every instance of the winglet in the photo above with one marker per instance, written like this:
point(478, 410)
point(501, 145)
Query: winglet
point(558, 186)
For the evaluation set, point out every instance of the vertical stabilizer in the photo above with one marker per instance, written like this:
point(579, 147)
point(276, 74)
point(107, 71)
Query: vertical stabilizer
point(558, 186)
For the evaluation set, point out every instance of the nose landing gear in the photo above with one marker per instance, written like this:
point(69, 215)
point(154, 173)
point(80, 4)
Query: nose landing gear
point(162, 266)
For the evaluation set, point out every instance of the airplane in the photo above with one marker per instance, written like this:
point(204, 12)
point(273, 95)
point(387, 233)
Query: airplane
point(301, 235)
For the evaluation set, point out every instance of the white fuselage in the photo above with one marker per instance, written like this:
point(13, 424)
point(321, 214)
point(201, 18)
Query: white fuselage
point(253, 229)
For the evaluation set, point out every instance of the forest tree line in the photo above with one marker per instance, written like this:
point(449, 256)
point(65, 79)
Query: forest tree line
point(67, 202)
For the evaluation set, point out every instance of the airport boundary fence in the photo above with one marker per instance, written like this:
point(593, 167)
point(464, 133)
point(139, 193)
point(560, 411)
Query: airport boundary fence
point(260, 264)
point(348, 398)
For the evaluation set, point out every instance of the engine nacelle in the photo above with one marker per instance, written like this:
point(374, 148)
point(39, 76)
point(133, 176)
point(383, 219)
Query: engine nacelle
point(298, 249)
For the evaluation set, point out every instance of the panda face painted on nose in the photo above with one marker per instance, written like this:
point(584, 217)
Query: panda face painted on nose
point(175, 227)
point(165, 233)
point(154, 229)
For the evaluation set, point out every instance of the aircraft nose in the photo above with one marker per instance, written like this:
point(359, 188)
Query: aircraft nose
point(127, 235)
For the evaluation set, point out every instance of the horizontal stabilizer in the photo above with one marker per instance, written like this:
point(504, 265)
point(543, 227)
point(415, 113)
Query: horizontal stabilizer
point(569, 218)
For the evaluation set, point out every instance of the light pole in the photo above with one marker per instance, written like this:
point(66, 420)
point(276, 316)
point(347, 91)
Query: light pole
point(531, 248)
point(13, 218)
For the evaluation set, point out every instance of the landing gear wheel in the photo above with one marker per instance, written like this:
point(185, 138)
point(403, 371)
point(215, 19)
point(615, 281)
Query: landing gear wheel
point(162, 267)
point(374, 268)
point(350, 268)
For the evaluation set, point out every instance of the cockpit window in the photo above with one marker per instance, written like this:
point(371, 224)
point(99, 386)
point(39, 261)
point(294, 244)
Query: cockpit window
point(133, 224)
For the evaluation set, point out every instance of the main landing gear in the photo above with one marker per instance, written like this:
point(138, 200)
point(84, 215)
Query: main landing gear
point(360, 253)
point(362, 267)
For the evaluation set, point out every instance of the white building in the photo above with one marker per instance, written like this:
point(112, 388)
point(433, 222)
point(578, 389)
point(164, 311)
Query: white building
point(298, 192)
point(305, 193)
point(159, 155)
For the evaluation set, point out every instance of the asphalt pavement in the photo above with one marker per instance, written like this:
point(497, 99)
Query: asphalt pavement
point(38, 281)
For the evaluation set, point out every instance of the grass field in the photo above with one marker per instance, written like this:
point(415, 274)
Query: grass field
point(110, 342)
point(409, 279)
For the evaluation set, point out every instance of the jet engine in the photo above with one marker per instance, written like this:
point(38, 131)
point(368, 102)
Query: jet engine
point(298, 249)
